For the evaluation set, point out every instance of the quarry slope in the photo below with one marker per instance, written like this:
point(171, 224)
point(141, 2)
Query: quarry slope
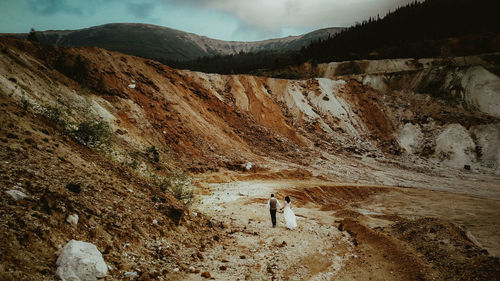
point(337, 128)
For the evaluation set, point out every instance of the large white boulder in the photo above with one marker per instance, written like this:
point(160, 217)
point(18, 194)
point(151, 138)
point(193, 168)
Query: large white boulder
point(411, 138)
point(81, 261)
point(488, 142)
point(455, 147)
point(482, 90)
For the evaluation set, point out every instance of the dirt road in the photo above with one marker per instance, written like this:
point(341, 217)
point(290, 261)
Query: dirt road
point(350, 232)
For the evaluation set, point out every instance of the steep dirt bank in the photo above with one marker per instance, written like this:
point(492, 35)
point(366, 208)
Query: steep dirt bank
point(212, 121)
point(136, 225)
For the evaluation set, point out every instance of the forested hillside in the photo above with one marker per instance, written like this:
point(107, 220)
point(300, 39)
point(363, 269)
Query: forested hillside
point(433, 28)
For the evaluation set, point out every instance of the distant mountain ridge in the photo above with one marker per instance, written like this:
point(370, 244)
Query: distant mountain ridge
point(152, 41)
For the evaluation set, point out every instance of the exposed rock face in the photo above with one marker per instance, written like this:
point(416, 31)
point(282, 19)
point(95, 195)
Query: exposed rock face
point(482, 90)
point(410, 138)
point(81, 261)
point(455, 147)
point(213, 121)
point(488, 144)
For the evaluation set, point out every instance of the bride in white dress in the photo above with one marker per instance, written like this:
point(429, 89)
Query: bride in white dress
point(290, 220)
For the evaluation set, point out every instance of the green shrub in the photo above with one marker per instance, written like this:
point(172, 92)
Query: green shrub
point(180, 186)
point(25, 103)
point(153, 154)
point(54, 114)
point(93, 133)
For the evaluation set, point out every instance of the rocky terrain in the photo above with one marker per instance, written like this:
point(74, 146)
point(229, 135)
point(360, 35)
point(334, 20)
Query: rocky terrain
point(151, 41)
point(393, 168)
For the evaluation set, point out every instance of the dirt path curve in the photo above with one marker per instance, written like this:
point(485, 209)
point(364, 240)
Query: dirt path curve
point(253, 250)
point(374, 244)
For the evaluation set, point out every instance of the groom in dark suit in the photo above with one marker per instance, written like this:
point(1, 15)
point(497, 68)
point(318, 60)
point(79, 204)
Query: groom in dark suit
point(272, 204)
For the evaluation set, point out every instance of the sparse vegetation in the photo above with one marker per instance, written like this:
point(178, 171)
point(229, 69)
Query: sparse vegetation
point(153, 154)
point(54, 113)
point(25, 103)
point(93, 134)
point(180, 185)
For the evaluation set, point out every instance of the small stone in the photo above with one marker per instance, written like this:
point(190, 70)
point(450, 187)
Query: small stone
point(192, 269)
point(17, 194)
point(72, 219)
point(155, 221)
point(223, 267)
point(206, 274)
point(131, 274)
point(176, 270)
point(243, 257)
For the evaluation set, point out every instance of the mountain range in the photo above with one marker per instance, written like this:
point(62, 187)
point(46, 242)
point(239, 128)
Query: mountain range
point(158, 42)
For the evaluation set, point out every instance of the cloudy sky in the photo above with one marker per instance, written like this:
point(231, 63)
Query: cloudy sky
point(242, 20)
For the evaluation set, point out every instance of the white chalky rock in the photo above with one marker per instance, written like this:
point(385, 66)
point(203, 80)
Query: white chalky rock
point(455, 147)
point(248, 166)
point(131, 86)
point(72, 219)
point(17, 194)
point(411, 138)
point(80, 261)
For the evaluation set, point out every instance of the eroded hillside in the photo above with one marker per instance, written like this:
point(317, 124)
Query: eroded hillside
point(365, 129)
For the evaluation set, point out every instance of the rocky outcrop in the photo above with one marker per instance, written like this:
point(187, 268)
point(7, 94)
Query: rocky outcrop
point(481, 90)
point(455, 147)
point(411, 138)
point(487, 139)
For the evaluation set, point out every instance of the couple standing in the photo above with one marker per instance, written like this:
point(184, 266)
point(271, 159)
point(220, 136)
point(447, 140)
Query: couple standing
point(290, 220)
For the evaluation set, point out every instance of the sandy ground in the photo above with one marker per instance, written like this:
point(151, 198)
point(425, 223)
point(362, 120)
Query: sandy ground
point(358, 237)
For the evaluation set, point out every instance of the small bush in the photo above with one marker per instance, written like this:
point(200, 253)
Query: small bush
point(153, 154)
point(180, 186)
point(54, 114)
point(25, 103)
point(93, 133)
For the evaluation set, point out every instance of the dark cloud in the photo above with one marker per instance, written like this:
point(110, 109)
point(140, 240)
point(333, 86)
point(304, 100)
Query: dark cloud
point(141, 10)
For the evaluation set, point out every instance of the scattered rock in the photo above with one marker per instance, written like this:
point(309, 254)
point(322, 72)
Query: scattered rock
point(223, 267)
point(80, 261)
point(72, 219)
point(74, 187)
point(17, 194)
point(248, 166)
point(243, 257)
point(206, 274)
point(131, 274)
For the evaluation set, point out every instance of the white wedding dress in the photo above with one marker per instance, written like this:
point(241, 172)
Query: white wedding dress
point(290, 220)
